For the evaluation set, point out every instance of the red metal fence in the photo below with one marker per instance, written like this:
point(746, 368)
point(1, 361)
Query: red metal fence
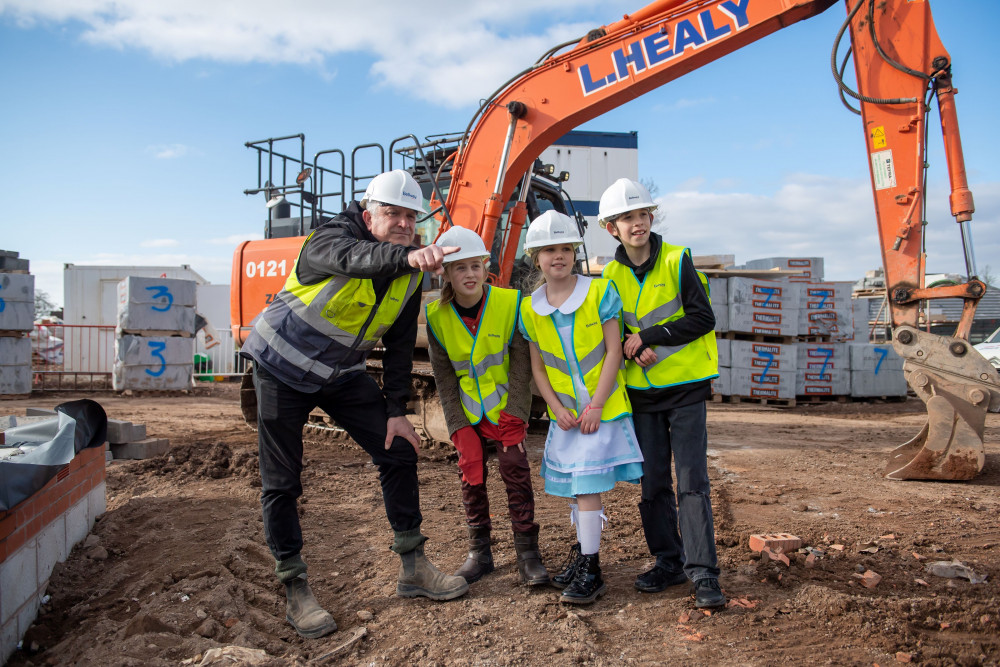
point(72, 357)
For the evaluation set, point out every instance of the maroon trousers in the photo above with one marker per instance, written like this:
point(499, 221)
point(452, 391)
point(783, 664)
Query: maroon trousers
point(516, 476)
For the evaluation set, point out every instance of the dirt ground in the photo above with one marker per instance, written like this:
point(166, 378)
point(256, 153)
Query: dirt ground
point(178, 566)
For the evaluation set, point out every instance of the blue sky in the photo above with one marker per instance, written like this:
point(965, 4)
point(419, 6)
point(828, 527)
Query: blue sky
point(124, 123)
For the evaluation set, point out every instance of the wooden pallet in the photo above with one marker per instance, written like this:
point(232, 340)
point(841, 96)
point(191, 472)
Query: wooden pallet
point(817, 398)
point(756, 338)
point(775, 402)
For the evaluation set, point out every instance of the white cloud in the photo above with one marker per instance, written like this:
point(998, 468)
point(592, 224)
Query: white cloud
point(160, 243)
point(168, 151)
point(479, 44)
point(819, 216)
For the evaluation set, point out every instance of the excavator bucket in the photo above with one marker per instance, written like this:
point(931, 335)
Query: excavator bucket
point(959, 387)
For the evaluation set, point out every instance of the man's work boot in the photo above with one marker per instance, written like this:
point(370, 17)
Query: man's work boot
point(587, 584)
point(562, 579)
point(480, 560)
point(658, 578)
point(707, 594)
point(303, 611)
point(529, 559)
point(419, 577)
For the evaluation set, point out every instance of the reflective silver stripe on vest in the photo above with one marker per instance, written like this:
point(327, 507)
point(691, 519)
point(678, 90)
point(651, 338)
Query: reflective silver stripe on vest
point(568, 402)
point(314, 319)
point(480, 369)
point(655, 316)
point(593, 359)
point(664, 351)
point(289, 353)
point(552, 361)
point(490, 401)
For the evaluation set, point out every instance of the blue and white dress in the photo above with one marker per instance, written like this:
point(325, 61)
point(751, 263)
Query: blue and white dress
point(573, 463)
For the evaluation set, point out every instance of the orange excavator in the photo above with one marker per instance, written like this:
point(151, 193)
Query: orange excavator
point(900, 67)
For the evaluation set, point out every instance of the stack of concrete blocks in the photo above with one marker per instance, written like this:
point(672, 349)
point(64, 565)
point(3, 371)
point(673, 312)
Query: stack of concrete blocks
point(763, 370)
point(827, 310)
point(718, 291)
point(876, 371)
point(767, 307)
point(823, 369)
point(862, 330)
point(723, 385)
point(810, 269)
point(129, 441)
point(154, 340)
point(17, 319)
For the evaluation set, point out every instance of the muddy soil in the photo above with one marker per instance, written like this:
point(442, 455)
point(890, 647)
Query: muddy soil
point(178, 566)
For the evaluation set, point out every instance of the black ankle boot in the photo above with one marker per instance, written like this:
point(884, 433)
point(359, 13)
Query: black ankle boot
point(587, 584)
point(480, 560)
point(568, 570)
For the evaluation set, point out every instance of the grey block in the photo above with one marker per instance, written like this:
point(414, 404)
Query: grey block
point(10, 421)
point(138, 431)
point(811, 268)
point(723, 385)
point(157, 306)
point(718, 290)
point(725, 352)
point(15, 380)
point(9, 253)
point(721, 312)
point(887, 382)
point(765, 294)
point(760, 356)
point(143, 449)
point(18, 293)
point(822, 382)
point(153, 363)
point(120, 432)
point(874, 357)
point(754, 383)
point(14, 264)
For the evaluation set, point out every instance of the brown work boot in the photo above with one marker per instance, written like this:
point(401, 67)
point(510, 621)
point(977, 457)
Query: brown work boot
point(419, 577)
point(303, 611)
point(480, 560)
point(529, 559)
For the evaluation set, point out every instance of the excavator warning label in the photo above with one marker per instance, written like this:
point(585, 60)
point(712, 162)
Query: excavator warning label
point(878, 137)
point(883, 170)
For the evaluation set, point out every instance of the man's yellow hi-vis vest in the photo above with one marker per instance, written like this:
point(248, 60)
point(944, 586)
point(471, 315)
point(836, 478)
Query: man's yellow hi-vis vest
point(588, 345)
point(481, 361)
point(657, 301)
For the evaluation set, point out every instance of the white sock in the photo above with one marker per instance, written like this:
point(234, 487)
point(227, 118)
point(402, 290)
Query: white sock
point(590, 525)
point(574, 518)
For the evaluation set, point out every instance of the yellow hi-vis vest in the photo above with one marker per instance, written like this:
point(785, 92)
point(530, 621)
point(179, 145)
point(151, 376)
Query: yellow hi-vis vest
point(657, 301)
point(588, 346)
point(481, 362)
point(321, 331)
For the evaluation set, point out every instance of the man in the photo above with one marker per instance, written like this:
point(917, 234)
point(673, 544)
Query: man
point(357, 280)
point(671, 359)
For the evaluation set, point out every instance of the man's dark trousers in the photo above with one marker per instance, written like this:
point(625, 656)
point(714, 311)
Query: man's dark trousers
point(356, 403)
point(677, 434)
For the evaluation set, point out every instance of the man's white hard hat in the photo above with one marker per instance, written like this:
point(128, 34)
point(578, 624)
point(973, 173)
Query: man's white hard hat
point(622, 196)
point(395, 187)
point(552, 228)
point(471, 244)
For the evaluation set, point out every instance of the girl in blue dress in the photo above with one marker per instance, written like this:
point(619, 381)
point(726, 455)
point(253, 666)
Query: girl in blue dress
point(572, 324)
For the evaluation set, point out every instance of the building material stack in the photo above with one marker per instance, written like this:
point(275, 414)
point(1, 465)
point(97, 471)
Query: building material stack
point(718, 289)
point(876, 371)
point(154, 339)
point(17, 318)
point(763, 322)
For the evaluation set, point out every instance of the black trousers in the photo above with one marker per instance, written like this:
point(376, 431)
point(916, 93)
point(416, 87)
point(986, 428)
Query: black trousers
point(357, 404)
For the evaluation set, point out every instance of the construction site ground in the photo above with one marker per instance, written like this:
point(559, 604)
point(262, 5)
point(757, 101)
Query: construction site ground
point(177, 565)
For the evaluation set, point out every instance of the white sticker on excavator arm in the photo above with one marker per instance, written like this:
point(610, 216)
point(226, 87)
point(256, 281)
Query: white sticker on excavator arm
point(883, 170)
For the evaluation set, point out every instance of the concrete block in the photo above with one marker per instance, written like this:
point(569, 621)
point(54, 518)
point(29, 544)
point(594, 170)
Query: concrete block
point(138, 432)
point(810, 268)
point(27, 615)
point(9, 638)
point(829, 322)
point(748, 319)
point(120, 431)
point(888, 382)
point(765, 294)
point(15, 380)
point(14, 264)
point(721, 312)
point(153, 363)
point(874, 357)
point(723, 385)
point(827, 295)
point(97, 500)
point(51, 548)
point(774, 541)
point(725, 352)
point(18, 577)
point(771, 356)
point(78, 523)
point(143, 449)
point(18, 293)
point(718, 291)
point(823, 369)
point(754, 383)
point(156, 306)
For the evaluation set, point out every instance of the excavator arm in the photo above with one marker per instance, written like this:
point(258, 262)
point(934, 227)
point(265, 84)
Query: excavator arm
point(900, 66)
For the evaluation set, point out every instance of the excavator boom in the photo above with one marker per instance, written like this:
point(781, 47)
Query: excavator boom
point(900, 66)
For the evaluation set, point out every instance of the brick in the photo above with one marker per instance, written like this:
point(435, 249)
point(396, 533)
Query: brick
point(143, 449)
point(8, 525)
point(775, 556)
point(870, 579)
point(33, 528)
point(15, 541)
point(25, 510)
point(775, 541)
point(55, 509)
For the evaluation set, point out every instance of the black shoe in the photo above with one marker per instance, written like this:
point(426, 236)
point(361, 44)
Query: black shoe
point(707, 594)
point(657, 579)
point(587, 585)
point(562, 579)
